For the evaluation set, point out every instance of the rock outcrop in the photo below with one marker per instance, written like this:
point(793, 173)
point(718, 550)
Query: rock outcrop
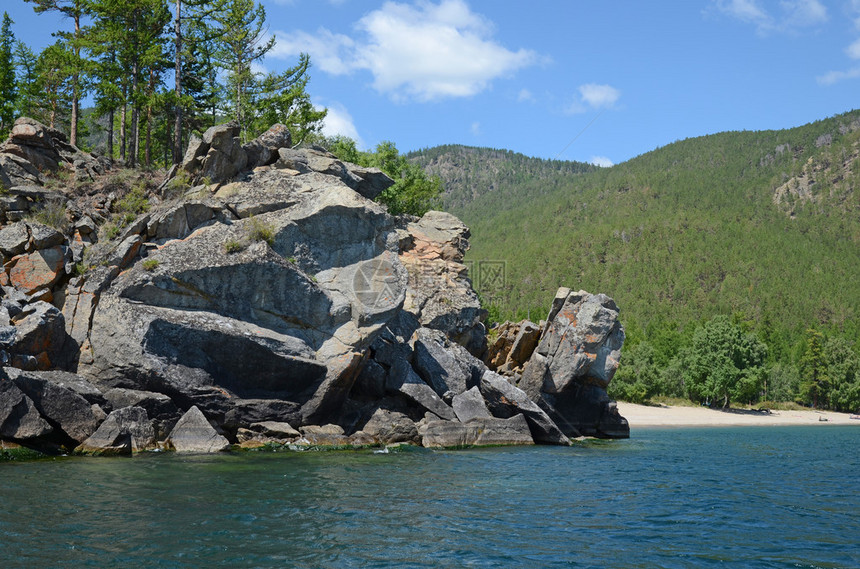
point(271, 301)
point(569, 369)
point(35, 151)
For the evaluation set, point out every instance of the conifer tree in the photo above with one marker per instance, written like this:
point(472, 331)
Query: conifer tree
point(813, 369)
point(195, 12)
point(74, 9)
point(52, 69)
point(283, 98)
point(7, 76)
point(29, 89)
point(242, 41)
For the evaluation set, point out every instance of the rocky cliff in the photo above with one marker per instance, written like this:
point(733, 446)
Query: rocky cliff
point(264, 297)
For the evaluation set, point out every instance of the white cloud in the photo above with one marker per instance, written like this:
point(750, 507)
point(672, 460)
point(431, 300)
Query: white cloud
point(426, 51)
point(330, 52)
point(601, 161)
point(338, 121)
point(599, 96)
point(791, 16)
point(832, 77)
point(434, 51)
point(475, 128)
point(593, 96)
point(258, 68)
point(853, 50)
point(744, 10)
point(525, 96)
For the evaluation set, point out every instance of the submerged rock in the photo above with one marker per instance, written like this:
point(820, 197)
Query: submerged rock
point(481, 431)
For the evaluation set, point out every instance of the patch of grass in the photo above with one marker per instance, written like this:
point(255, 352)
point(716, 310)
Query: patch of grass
point(150, 264)
point(177, 185)
point(53, 214)
point(122, 177)
point(59, 179)
point(261, 231)
point(81, 269)
point(135, 201)
point(110, 230)
point(233, 246)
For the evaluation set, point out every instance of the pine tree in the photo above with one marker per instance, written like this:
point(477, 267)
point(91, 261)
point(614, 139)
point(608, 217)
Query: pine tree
point(29, 89)
point(52, 70)
point(7, 76)
point(813, 369)
point(195, 12)
point(129, 38)
point(242, 41)
point(74, 9)
point(283, 98)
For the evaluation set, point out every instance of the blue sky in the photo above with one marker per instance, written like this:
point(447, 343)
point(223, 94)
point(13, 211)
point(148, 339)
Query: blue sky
point(571, 79)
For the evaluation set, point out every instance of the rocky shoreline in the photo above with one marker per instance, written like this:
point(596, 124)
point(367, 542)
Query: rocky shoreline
point(263, 298)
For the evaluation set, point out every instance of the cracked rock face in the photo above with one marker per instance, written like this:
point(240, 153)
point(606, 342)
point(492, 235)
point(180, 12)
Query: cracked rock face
point(440, 294)
point(574, 362)
point(257, 307)
point(279, 296)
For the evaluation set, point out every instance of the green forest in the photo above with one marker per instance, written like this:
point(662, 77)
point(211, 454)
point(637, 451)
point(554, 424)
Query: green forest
point(734, 256)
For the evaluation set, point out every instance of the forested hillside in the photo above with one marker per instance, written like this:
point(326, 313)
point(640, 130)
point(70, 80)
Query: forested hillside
point(762, 227)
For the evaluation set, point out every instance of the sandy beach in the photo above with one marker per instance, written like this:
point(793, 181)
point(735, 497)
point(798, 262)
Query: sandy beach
point(672, 416)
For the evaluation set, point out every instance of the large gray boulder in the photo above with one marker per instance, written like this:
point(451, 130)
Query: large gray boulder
point(125, 431)
point(281, 305)
point(574, 362)
point(403, 381)
point(443, 364)
point(263, 150)
point(194, 433)
point(73, 417)
point(389, 426)
point(34, 151)
point(470, 405)
point(505, 400)
point(19, 418)
point(483, 431)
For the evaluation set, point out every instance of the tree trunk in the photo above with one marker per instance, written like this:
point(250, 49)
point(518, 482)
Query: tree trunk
point(177, 124)
point(110, 135)
point(123, 135)
point(135, 117)
point(147, 152)
point(73, 135)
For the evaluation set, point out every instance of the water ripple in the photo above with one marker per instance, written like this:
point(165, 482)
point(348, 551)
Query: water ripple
point(770, 498)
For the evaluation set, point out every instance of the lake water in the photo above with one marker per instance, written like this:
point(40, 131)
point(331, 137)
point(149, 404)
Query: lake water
point(720, 497)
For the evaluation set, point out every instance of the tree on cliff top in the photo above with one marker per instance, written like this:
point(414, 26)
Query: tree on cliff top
point(242, 41)
point(7, 76)
point(413, 192)
point(74, 9)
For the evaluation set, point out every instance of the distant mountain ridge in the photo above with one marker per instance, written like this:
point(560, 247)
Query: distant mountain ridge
point(764, 225)
point(470, 172)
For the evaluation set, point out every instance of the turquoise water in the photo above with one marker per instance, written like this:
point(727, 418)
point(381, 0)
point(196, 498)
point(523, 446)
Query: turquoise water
point(727, 497)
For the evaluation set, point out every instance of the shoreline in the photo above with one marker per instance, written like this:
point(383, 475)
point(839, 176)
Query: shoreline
point(682, 416)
